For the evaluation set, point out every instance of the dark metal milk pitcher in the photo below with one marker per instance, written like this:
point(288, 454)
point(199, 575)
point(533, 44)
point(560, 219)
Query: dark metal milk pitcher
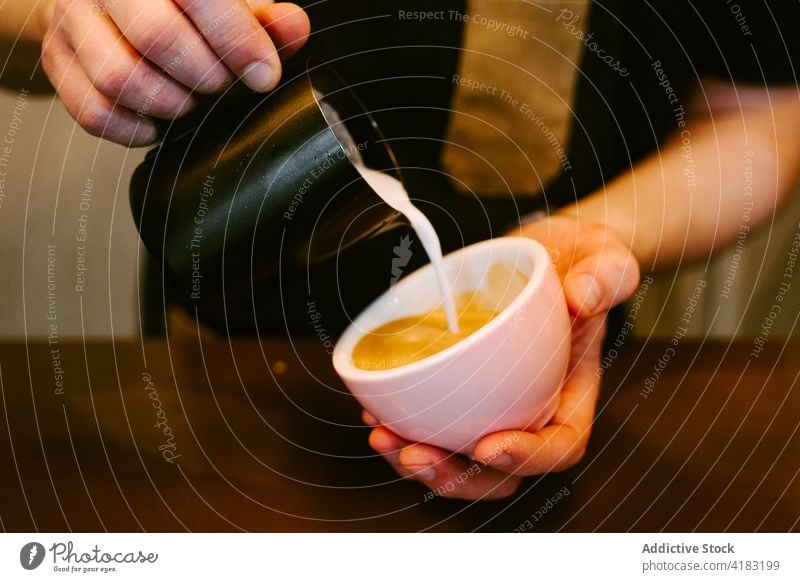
point(256, 196)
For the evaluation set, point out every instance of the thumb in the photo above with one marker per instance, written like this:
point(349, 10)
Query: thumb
point(287, 25)
point(601, 279)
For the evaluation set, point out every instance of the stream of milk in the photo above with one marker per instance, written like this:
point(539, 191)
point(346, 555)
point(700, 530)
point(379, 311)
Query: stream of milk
point(392, 191)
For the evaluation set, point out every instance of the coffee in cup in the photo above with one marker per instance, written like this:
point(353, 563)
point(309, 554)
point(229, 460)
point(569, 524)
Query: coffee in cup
point(410, 339)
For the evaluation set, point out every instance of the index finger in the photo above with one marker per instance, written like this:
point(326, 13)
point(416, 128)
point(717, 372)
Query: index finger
point(234, 33)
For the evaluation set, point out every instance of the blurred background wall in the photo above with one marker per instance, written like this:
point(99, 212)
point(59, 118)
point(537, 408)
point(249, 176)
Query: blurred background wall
point(739, 287)
point(69, 251)
point(68, 246)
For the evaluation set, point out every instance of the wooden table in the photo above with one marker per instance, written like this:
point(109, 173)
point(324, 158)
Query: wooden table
point(262, 437)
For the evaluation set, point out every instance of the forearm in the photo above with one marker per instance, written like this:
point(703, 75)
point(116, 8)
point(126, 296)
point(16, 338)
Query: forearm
point(723, 172)
point(22, 28)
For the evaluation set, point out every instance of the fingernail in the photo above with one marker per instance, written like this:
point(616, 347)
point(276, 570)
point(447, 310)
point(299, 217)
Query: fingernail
point(259, 76)
point(588, 293)
point(501, 460)
point(425, 473)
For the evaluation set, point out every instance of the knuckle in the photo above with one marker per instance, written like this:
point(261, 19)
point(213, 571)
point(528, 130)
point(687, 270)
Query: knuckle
point(191, 5)
point(94, 118)
point(177, 47)
point(232, 37)
point(153, 38)
point(229, 43)
point(114, 82)
point(212, 84)
point(97, 6)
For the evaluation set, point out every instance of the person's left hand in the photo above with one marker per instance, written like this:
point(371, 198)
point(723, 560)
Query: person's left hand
point(121, 65)
point(598, 271)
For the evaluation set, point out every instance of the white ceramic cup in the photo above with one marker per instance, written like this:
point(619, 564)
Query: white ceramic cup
point(505, 376)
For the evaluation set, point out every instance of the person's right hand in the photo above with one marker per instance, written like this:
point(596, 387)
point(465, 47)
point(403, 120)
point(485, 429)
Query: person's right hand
point(117, 64)
point(598, 271)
